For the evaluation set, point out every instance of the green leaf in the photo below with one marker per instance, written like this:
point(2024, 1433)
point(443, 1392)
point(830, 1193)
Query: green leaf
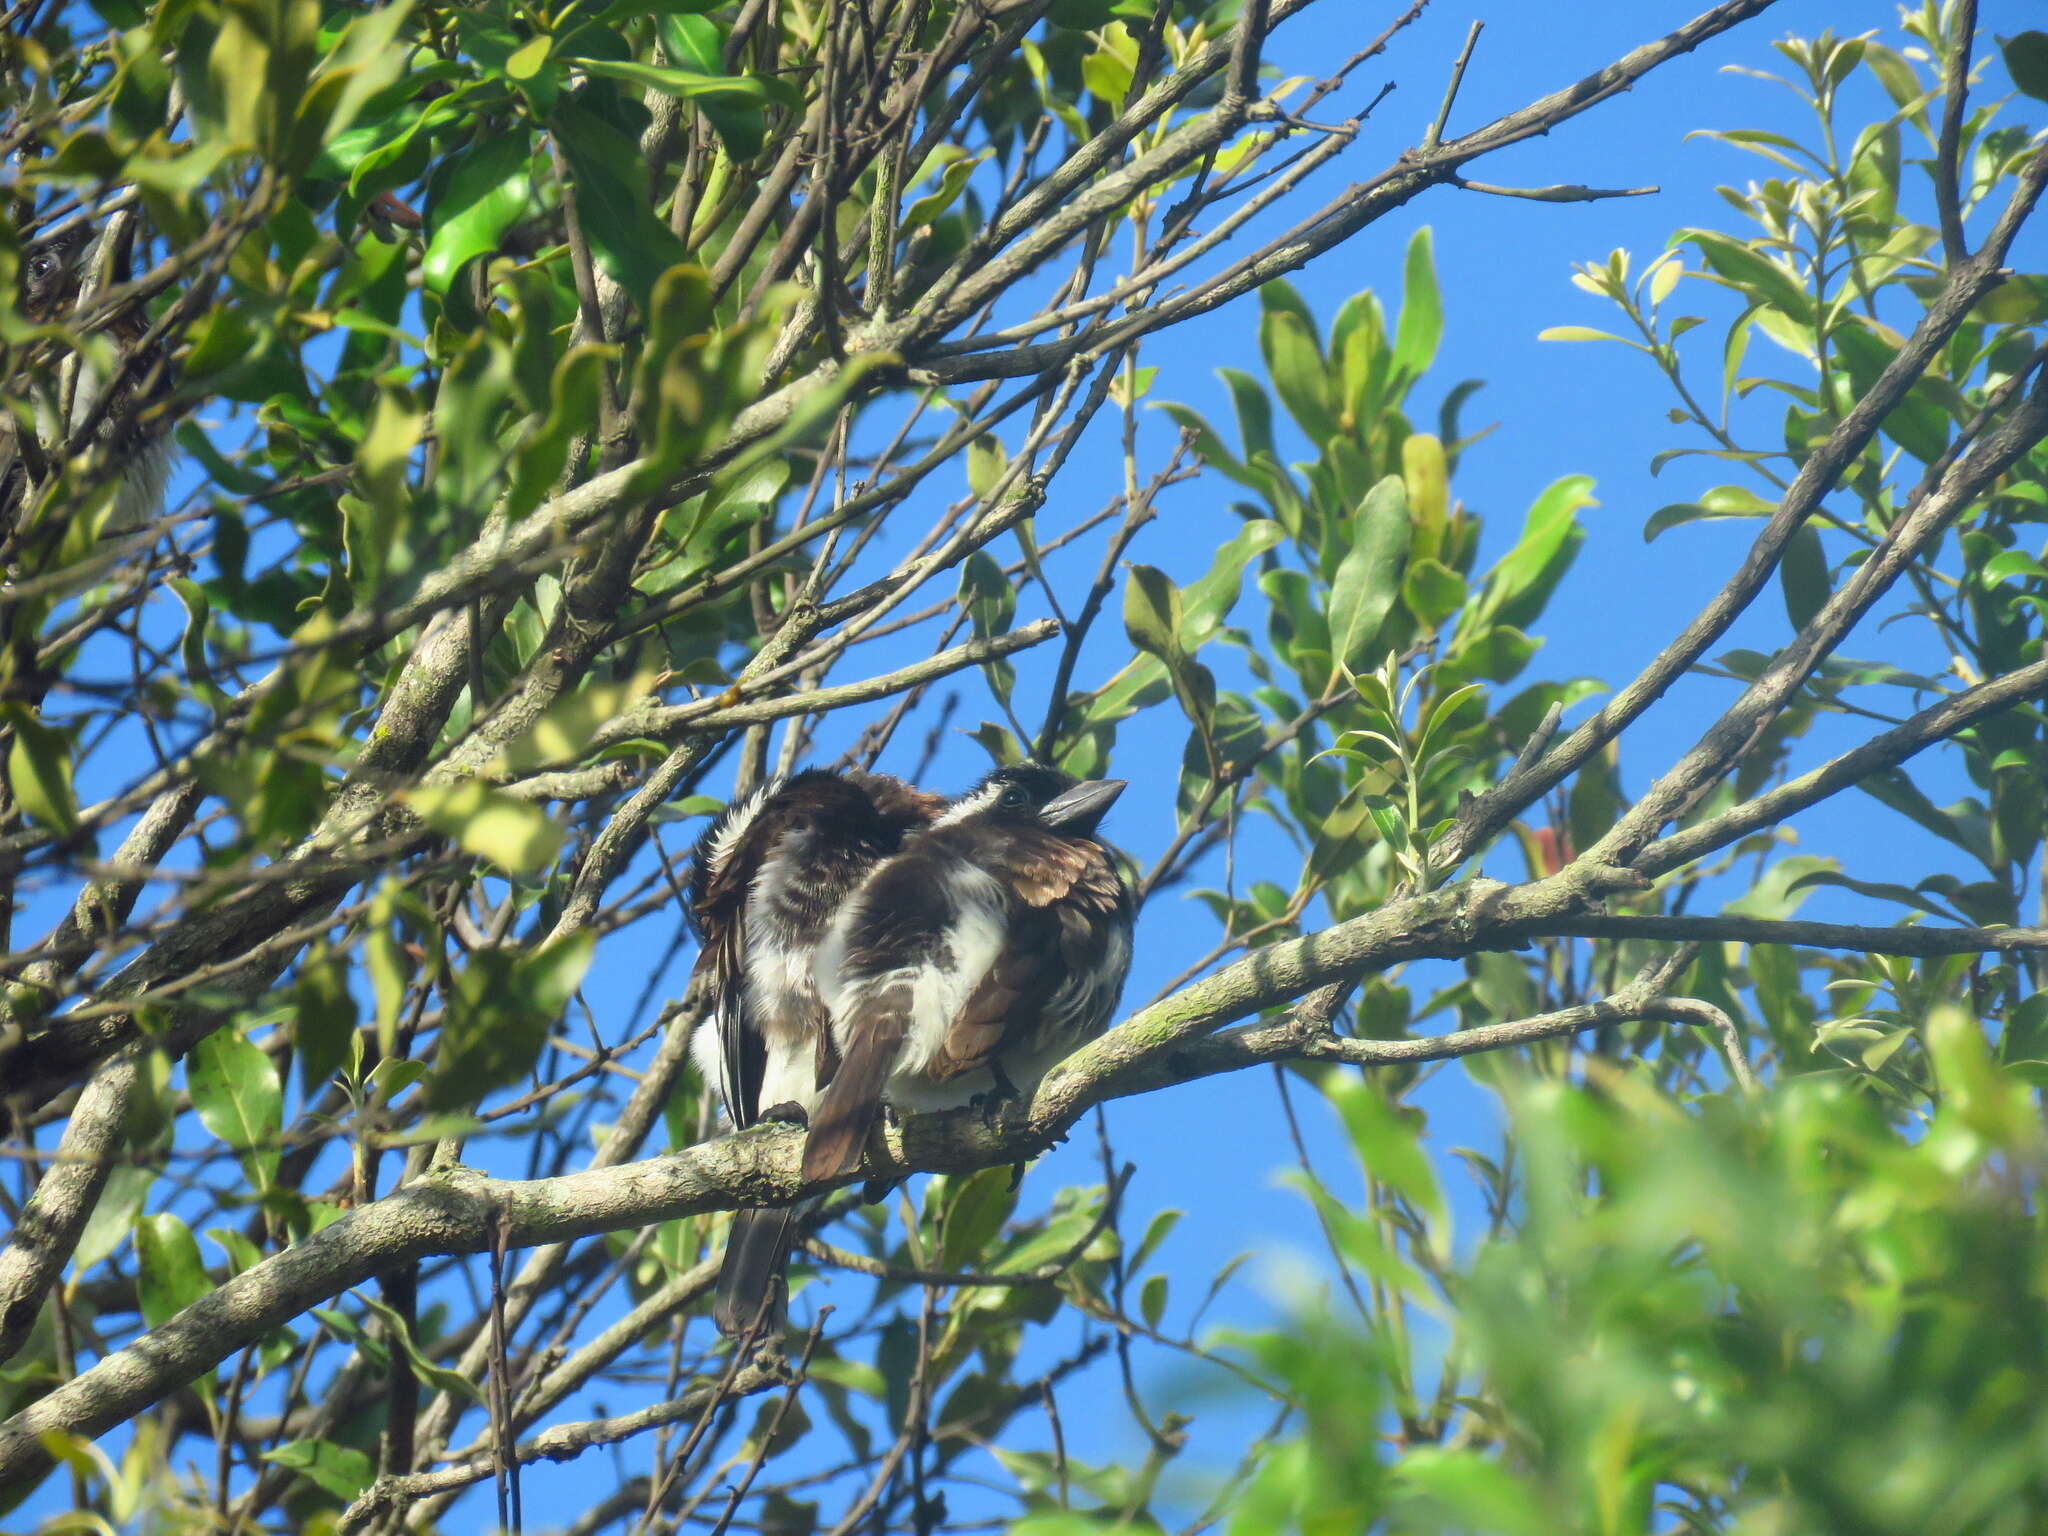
point(1517, 588)
point(169, 1274)
point(113, 1217)
point(500, 1008)
point(2026, 60)
point(39, 770)
point(1294, 359)
point(986, 594)
point(2010, 563)
point(689, 84)
point(1721, 501)
point(483, 196)
point(1474, 1492)
point(1368, 578)
point(238, 1097)
point(336, 1470)
point(376, 524)
point(986, 461)
point(430, 1375)
point(324, 1009)
point(1152, 611)
point(1803, 576)
point(1209, 447)
point(1421, 325)
point(1207, 601)
point(564, 729)
point(528, 59)
point(1432, 591)
point(1152, 1300)
point(1751, 272)
point(1157, 1231)
point(1575, 333)
point(615, 201)
point(974, 1215)
point(516, 835)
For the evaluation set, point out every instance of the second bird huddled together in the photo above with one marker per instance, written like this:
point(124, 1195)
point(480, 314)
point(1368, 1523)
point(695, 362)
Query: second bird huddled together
point(870, 944)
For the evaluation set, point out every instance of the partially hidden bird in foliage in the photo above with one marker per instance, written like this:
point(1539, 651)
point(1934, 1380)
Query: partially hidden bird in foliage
point(118, 404)
point(964, 967)
point(766, 879)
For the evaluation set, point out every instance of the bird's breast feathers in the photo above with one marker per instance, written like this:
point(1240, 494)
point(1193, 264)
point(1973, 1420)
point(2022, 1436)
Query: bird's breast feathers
point(884, 959)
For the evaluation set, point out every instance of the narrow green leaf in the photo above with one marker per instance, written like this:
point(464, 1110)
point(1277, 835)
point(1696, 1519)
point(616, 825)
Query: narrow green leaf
point(39, 771)
point(1152, 1300)
point(1803, 576)
point(689, 84)
point(1421, 325)
point(113, 1217)
point(324, 1024)
point(1368, 578)
point(1752, 272)
point(1295, 362)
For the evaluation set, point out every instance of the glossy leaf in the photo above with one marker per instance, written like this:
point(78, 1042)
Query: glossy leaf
point(238, 1097)
point(1368, 578)
point(483, 193)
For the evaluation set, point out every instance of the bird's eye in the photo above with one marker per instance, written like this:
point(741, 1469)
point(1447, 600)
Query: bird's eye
point(1013, 797)
point(39, 266)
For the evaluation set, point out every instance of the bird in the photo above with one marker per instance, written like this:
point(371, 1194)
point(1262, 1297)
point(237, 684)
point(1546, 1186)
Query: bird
point(765, 880)
point(52, 274)
point(970, 963)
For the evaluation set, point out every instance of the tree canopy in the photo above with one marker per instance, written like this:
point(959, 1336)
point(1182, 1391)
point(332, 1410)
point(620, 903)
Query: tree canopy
point(582, 414)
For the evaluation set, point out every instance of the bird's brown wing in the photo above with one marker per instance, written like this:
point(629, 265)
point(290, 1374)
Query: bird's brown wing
point(1066, 892)
point(1012, 994)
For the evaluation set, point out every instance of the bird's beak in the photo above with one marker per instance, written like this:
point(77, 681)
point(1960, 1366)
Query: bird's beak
point(1080, 808)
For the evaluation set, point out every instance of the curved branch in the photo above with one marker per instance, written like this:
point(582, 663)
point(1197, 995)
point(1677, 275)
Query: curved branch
point(456, 1210)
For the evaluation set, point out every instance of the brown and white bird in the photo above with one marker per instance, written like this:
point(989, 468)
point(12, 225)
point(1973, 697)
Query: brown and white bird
point(991, 947)
point(54, 271)
point(765, 881)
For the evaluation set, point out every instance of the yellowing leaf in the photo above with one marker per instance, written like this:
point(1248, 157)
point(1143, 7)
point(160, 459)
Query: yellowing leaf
point(513, 834)
point(39, 772)
point(567, 725)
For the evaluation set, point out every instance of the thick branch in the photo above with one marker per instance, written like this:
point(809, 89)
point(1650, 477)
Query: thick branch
point(1758, 930)
point(456, 1210)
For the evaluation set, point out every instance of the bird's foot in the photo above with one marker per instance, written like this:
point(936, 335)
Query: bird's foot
point(1002, 1092)
point(788, 1112)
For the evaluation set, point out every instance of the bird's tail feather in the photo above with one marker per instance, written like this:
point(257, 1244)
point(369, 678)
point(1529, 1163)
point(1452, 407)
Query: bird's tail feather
point(750, 1279)
point(840, 1124)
